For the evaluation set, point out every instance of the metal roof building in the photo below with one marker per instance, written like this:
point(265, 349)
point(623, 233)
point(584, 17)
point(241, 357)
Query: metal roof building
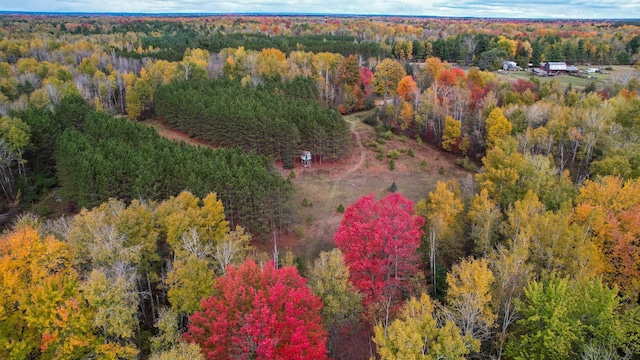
point(552, 66)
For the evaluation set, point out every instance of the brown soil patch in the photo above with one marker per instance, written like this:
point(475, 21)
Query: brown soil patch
point(169, 133)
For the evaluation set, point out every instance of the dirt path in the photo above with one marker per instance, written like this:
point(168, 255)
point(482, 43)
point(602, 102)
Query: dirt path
point(353, 123)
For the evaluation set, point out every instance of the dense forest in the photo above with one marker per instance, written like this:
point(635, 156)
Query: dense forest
point(162, 250)
point(226, 114)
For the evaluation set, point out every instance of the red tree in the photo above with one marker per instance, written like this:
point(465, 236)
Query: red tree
point(260, 313)
point(365, 79)
point(379, 242)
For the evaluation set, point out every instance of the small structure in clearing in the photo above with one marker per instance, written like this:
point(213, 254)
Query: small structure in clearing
point(305, 158)
point(554, 67)
point(510, 66)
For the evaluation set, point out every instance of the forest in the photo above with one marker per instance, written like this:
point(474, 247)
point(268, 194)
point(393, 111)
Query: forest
point(119, 243)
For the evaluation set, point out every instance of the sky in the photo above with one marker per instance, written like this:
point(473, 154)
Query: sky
point(562, 9)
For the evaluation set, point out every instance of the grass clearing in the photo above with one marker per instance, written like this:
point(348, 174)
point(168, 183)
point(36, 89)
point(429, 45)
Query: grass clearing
point(578, 83)
point(328, 186)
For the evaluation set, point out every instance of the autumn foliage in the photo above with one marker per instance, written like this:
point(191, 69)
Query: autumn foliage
point(379, 240)
point(260, 312)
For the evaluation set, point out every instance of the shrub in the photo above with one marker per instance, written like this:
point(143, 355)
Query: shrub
point(309, 219)
point(372, 121)
point(387, 135)
point(379, 156)
point(392, 164)
point(367, 164)
point(393, 187)
point(441, 171)
point(467, 164)
point(410, 153)
point(340, 209)
point(299, 231)
point(292, 174)
point(393, 154)
point(423, 162)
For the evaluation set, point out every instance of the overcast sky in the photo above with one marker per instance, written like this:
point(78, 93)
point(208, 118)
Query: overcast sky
point(585, 9)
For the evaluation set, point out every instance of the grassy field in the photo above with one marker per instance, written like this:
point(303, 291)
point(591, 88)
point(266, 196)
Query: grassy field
point(326, 187)
point(578, 83)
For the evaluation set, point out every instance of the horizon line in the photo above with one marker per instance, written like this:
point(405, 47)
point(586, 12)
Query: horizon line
point(203, 14)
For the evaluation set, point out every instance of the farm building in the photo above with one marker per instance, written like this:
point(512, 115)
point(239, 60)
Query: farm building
point(510, 66)
point(554, 67)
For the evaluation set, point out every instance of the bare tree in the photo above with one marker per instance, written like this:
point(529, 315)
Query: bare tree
point(469, 45)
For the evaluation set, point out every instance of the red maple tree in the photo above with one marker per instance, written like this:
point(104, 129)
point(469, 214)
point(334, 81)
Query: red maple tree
point(260, 313)
point(379, 240)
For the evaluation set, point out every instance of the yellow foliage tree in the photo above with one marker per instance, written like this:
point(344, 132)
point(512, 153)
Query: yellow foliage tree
point(440, 210)
point(498, 127)
point(179, 214)
point(503, 167)
point(485, 216)
point(271, 62)
point(407, 116)
point(387, 76)
point(190, 280)
point(451, 134)
point(416, 335)
point(469, 300)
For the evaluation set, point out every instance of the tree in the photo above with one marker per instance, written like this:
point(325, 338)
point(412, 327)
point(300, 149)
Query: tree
point(417, 335)
point(407, 88)
point(562, 318)
point(179, 214)
point(42, 311)
point(261, 313)
point(182, 351)
point(379, 240)
point(350, 71)
point(329, 279)
point(503, 168)
point(406, 116)
point(191, 279)
point(498, 127)
point(440, 210)
point(271, 62)
point(485, 216)
point(609, 214)
point(232, 249)
point(115, 302)
point(387, 76)
point(452, 133)
point(469, 298)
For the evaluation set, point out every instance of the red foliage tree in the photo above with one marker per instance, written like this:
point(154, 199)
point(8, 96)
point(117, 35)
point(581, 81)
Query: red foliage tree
point(365, 79)
point(521, 85)
point(451, 77)
point(379, 242)
point(260, 313)
point(349, 71)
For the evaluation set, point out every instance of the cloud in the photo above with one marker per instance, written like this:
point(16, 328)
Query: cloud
point(460, 8)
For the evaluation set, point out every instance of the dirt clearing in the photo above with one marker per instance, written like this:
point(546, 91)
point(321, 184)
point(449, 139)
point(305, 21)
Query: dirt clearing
point(321, 188)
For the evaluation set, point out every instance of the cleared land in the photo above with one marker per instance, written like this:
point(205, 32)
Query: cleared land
point(326, 186)
point(578, 83)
